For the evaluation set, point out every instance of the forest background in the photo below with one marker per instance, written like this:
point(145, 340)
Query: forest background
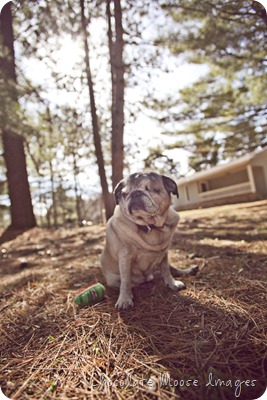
point(93, 90)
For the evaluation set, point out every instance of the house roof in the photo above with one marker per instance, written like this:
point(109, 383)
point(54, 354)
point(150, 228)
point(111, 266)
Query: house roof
point(220, 169)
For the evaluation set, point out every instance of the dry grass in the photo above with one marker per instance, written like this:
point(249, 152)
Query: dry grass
point(168, 346)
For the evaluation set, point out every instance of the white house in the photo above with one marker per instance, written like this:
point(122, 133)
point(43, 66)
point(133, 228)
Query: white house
point(244, 179)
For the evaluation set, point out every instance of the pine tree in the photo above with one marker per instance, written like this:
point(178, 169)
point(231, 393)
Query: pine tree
point(115, 40)
point(222, 115)
point(109, 205)
point(22, 216)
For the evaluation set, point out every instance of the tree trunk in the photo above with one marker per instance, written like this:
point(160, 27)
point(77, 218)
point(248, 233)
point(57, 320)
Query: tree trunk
point(53, 195)
point(22, 216)
point(107, 198)
point(51, 170)
point(76, 189)
point(115, 40)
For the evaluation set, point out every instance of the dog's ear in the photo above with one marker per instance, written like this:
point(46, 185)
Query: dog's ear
point(118, 189)
point(170, 185)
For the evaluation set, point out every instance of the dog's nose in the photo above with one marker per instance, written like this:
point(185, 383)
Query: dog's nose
point(136, 194)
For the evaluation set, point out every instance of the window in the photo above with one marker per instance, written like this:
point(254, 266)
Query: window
point(187, 193)
point(203, 187)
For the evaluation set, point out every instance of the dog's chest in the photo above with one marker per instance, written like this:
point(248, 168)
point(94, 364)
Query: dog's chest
point(147, 261)
point(156, 238)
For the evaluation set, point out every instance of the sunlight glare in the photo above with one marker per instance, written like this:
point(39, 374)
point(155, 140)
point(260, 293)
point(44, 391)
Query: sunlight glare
point(67, 56)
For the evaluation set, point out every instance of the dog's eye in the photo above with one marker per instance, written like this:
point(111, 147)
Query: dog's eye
point(154, 190)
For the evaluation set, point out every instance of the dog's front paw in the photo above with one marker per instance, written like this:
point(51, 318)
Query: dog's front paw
point(124, 302)
point(178, 285)
point(175, 285)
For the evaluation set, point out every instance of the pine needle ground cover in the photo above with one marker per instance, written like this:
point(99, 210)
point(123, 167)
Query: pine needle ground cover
point(207, 342)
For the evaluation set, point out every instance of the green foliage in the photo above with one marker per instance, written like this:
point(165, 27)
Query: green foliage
point(220, 116)
point(161, 162)
point(66, 208)
point(223, 114)
point(53, 134)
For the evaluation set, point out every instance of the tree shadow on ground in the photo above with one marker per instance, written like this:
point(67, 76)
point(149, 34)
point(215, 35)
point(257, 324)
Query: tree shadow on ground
point(212, 332)
point(10, 234)
point(171, 339)
point(228, 224)
point(200, 340)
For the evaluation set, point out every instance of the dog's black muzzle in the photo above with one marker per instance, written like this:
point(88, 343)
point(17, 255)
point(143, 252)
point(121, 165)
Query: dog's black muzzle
point(137, 201)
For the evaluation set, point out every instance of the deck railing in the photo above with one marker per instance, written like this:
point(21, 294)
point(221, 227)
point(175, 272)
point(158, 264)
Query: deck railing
point(233, 190)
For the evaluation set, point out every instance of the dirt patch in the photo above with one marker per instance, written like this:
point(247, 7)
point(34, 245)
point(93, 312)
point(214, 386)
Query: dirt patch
point(208, 342)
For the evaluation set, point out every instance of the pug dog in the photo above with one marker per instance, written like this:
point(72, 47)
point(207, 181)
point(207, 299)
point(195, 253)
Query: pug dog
point(139, 234)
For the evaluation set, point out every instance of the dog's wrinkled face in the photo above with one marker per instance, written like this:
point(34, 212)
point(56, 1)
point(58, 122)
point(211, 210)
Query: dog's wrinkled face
point(145, 197)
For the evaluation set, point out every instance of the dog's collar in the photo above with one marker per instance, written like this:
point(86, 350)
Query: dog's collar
point(149, 228)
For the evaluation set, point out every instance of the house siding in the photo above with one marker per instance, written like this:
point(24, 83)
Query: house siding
point(211, 203)
point(259, 167)
point(231, 178)
point(188, 194)
point(250, 171)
